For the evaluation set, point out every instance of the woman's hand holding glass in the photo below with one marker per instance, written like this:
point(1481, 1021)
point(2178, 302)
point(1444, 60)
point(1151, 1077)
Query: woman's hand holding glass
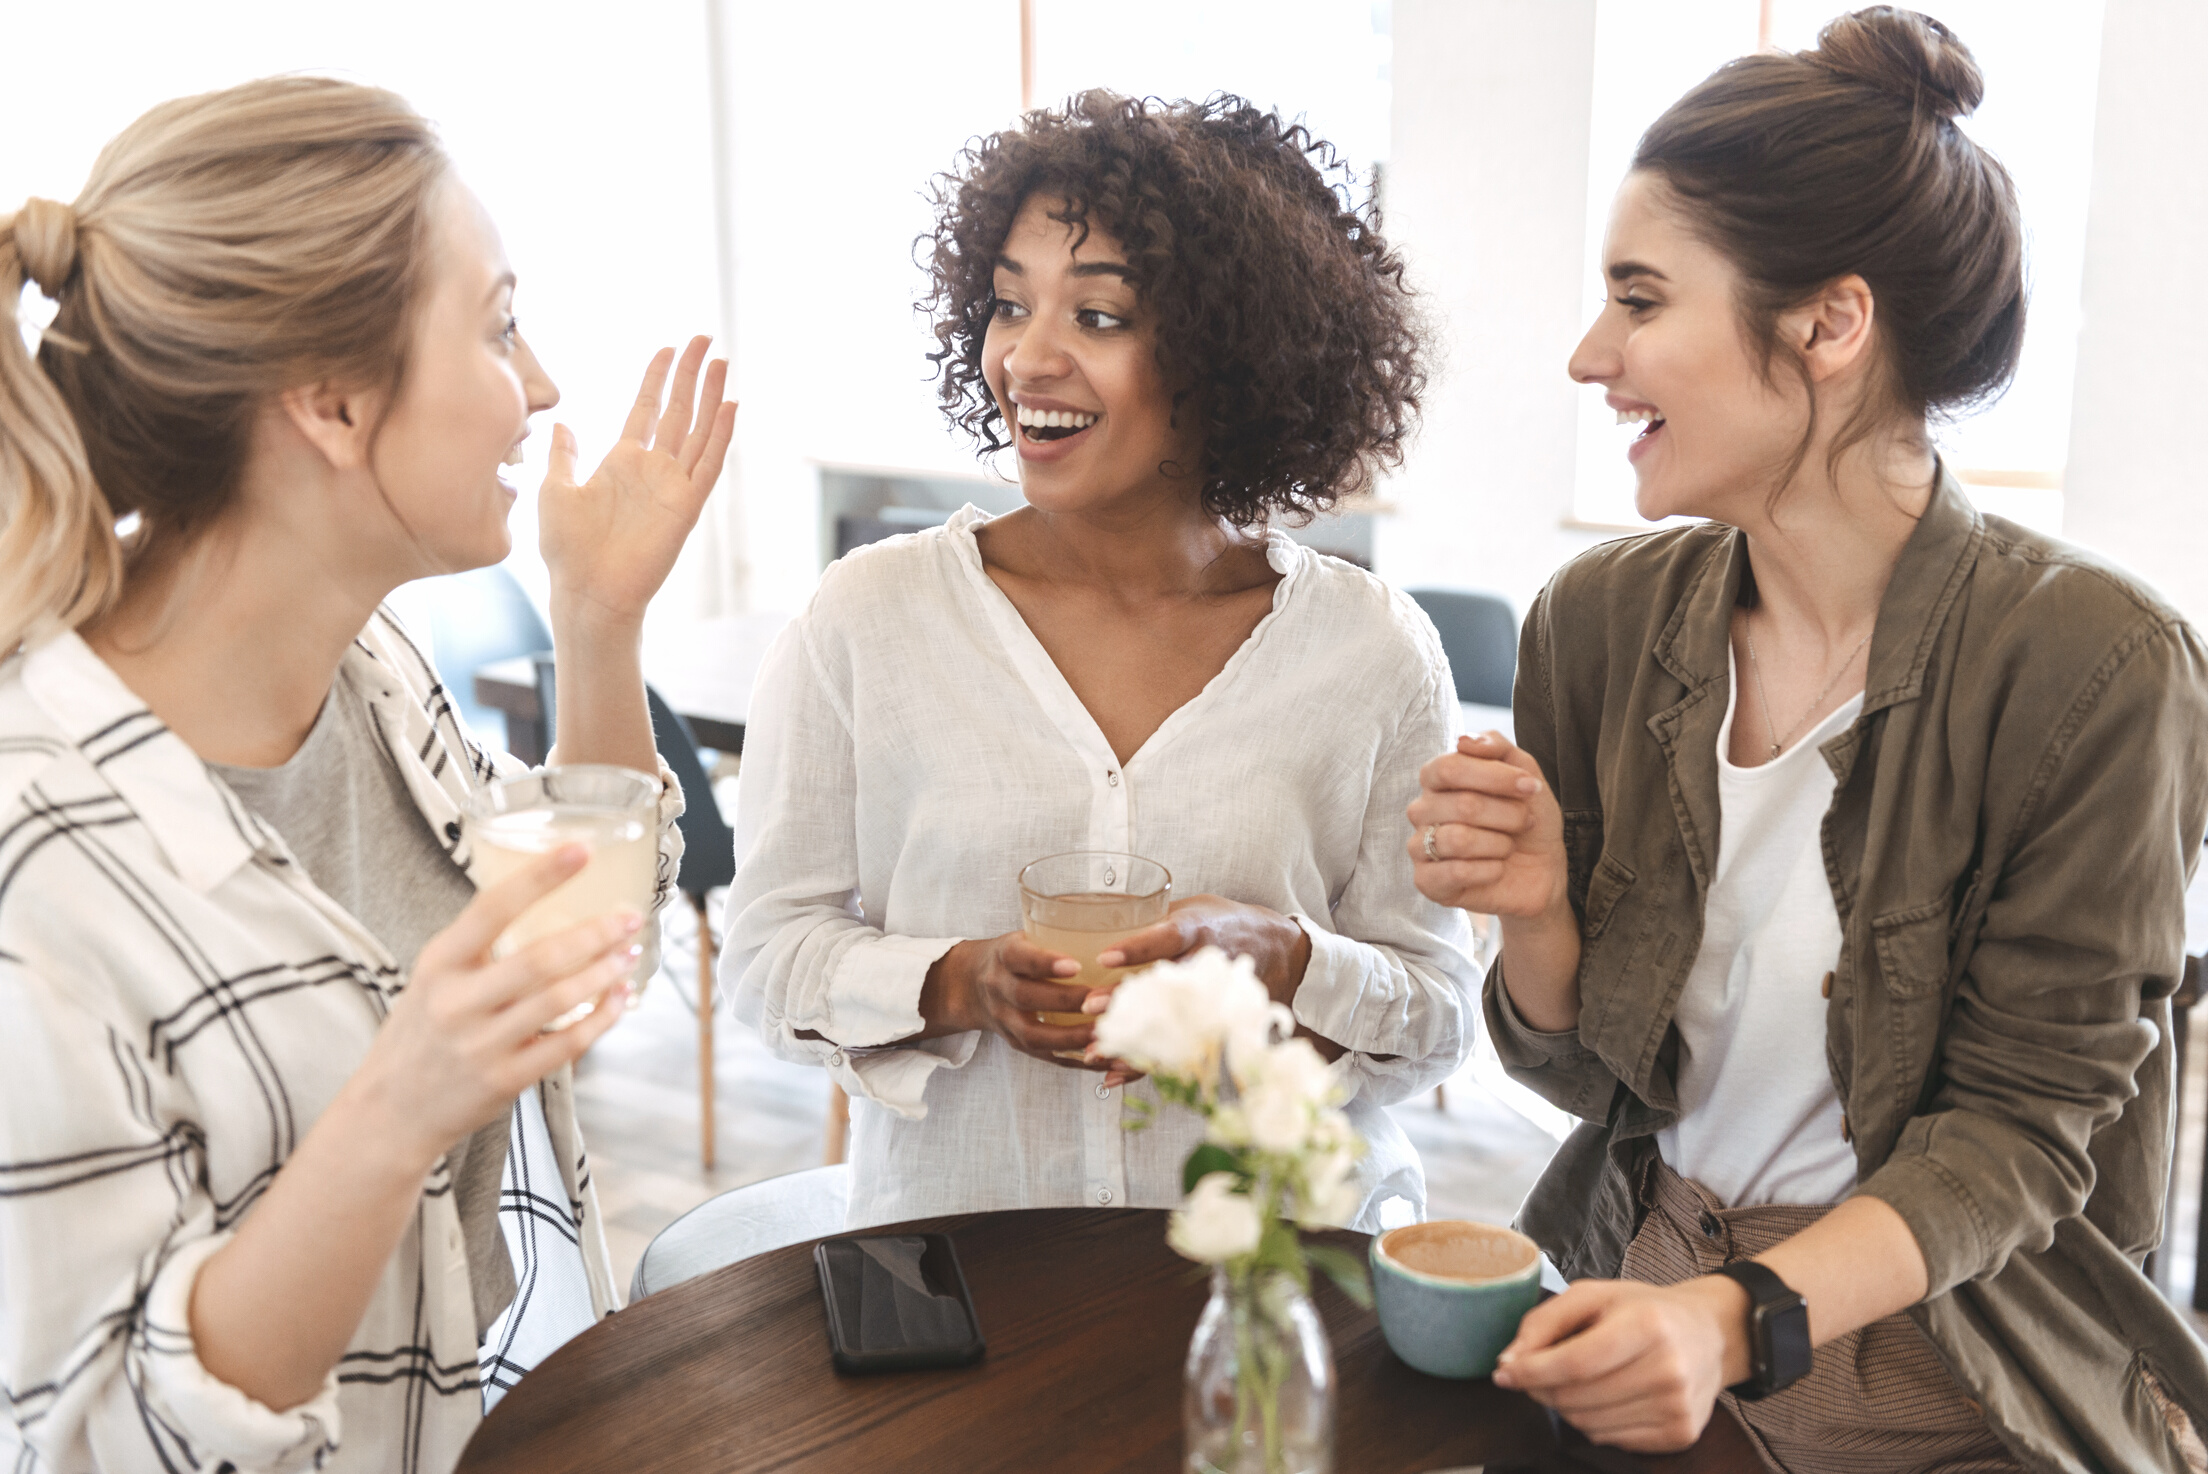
point(1274, 942)
point(468, 1033)
point(999, 985)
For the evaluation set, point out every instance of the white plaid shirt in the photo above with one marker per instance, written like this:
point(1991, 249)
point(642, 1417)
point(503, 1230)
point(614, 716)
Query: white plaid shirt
point(178, 1004)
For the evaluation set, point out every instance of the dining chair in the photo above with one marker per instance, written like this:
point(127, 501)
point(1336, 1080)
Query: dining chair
point(708, 864)
point(1479, 637)
point(475, 618)
point(836, 1139)
point(753, 1219)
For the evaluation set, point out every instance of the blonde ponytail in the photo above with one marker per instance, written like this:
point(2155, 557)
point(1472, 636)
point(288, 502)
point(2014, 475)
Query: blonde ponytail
point(227, 247)
point(60, 563)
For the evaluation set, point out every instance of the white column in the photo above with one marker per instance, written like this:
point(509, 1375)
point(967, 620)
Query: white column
point(2135, 489)
point(1486, 192)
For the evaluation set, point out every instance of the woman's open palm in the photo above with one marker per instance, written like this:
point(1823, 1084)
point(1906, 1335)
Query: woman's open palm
point(612, 540)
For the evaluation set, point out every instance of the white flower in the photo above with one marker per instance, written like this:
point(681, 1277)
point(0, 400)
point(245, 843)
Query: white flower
point(1216, 1223)
point(1295, 1068)
point(1279, 1119)
point(1334, 1210)
point(1175, 1018)
point(1328, 1197)
point(1229, 1127)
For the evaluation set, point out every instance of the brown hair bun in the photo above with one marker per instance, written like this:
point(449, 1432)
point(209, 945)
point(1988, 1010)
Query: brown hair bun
point(1905, 53)
point(1805, 167)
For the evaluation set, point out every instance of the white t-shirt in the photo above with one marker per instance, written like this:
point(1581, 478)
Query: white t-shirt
point(1760, 1121)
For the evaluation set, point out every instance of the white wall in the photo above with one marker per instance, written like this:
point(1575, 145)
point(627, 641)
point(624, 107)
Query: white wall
point(584, 129)
point(1486, 193)
point(837, 117)
point(2135, 489)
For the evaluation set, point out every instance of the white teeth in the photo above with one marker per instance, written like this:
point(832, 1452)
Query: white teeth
point(512, 457)
point(1055, 419)
point(1636, 416)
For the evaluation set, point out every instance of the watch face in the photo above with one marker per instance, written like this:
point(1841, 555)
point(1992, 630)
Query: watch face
point(1786, 1341)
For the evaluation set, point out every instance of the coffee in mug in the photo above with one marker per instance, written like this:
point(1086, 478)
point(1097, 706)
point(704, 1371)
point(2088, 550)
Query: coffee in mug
point(1451, 1293)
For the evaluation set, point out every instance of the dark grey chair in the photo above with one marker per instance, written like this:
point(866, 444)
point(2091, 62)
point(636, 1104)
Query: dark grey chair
point(1479, 634)
point(476, 618)
point(708, 862)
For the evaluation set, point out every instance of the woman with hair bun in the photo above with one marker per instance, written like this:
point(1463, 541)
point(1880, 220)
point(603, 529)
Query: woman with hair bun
point(250, 1159)
point(1184, 332)
point(1842, 853)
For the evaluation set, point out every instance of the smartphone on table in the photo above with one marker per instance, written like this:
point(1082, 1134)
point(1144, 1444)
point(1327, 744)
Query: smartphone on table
point(897, 1302)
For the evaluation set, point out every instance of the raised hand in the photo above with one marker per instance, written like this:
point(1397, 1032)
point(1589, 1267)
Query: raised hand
point(1497, 833)
point(611, 541)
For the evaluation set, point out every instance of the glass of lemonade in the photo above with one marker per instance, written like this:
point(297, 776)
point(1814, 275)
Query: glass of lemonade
point(1083, 903)
point(613, 811)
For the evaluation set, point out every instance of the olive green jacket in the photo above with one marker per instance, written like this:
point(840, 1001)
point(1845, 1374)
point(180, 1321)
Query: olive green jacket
point(2015, 817)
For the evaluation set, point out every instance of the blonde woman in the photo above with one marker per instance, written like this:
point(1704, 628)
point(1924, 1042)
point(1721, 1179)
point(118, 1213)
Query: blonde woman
point(249, 1156)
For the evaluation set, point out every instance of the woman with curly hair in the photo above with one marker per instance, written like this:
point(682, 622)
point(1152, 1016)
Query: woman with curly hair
point(1185, 332)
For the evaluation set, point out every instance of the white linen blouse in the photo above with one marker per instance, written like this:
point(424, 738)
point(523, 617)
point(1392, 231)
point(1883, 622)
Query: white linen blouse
point(912, 745)
point(178, 1005)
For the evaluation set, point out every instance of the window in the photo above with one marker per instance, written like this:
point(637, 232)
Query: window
point(2042, 65)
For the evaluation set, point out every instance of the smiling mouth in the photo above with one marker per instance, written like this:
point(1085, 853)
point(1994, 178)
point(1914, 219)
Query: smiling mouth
point(1649, 420)
point(1044, 425)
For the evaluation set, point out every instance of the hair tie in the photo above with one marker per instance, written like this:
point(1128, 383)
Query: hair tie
point(46, 243)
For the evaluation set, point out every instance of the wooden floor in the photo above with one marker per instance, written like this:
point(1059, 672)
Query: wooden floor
point(637, 1094)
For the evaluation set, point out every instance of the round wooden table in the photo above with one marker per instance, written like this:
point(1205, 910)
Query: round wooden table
point(1088, 1316)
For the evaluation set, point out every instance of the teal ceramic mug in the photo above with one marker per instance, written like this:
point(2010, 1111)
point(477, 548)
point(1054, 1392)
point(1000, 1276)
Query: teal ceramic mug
point(1450, 1293)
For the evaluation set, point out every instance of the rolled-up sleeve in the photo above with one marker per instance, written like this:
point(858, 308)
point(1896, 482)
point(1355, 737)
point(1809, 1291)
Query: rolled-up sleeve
point(2085, 924)
point(801, 959)
point(103, 1229)
point(1391, 975)
point(1558, 1067)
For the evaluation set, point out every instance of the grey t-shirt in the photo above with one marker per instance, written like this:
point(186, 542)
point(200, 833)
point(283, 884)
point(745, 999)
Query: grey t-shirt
point(342, 806)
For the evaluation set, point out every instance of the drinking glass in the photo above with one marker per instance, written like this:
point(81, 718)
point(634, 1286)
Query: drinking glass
point(612, 811)
point(1085, 902)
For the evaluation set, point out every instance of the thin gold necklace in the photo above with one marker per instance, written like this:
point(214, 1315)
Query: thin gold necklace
point(1763, 692)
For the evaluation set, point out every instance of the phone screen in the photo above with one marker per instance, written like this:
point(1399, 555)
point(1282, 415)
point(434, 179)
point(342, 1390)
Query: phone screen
point(898, 1293)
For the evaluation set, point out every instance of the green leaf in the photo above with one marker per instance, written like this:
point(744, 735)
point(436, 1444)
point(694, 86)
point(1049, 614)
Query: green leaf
point(1205, 1160)
point(1280, 1249)
point(1344, 1268)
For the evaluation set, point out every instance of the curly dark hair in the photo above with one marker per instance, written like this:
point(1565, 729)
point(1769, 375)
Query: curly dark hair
point(1282, 316)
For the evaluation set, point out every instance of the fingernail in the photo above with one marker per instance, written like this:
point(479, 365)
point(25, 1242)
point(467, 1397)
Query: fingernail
point(635, 951)
point(1506, 1356)
point(1065, 967)
point(1113, 958)
point(631, 923)
point(571, 855)
point(1529, 785)
point(1096, 1003)
point(629, 1000)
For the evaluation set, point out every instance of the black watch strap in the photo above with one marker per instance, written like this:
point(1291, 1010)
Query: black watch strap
point(1778, 1331)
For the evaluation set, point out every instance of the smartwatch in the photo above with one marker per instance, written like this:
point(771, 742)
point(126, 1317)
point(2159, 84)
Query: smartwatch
point(1778, 1331)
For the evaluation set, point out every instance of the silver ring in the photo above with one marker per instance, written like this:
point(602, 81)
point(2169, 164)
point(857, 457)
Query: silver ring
point(1431, 852)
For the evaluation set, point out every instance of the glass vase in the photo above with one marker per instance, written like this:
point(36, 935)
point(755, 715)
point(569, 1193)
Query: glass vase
point(1258, 1393)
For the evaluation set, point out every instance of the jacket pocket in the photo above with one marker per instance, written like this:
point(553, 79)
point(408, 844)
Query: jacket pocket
point(1611, 880)
point(1912, 949)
